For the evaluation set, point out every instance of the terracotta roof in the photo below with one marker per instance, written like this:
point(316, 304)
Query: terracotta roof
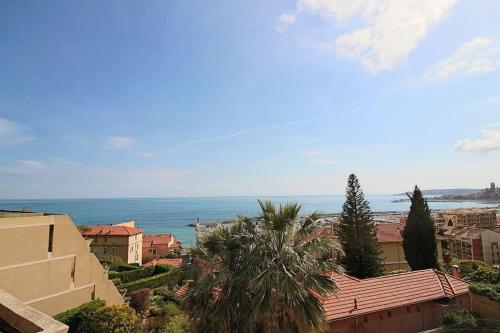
point(158, 239)
point(389, 232)
point(171, 262)
point(111, 230)
point(389, 291)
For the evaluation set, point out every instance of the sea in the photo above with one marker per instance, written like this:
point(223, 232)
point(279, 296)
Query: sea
point(173, 215)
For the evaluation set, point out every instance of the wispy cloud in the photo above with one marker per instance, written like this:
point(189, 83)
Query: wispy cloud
point(391, 29)
point(61, 161)
point(144, 154)
point(285, 20)
point(490, 142)
point(119, 142)
point(316, 152)
point(325, 161)
point(478, 56)
point(14, 133)
point(23, 167)
point(250, 131)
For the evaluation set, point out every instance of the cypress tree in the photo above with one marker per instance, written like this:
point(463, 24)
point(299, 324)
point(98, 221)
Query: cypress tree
point(357, 234)
point(419, 235)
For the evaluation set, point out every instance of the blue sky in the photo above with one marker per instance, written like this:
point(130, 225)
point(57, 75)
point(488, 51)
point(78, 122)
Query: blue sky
point(197, 98)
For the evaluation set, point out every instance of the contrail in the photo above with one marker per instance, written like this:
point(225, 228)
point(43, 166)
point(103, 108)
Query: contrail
point(256, 130)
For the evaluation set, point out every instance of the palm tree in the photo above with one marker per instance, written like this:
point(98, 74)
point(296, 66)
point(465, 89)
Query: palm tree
point(265, 277)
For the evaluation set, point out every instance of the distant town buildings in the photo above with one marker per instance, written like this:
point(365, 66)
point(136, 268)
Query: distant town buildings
point(476, 217)
point(159, 245)
point(474, 244)
point(122, 239)
point(46, 265)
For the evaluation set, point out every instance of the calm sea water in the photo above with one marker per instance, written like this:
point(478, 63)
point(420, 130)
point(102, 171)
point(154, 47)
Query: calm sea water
point(172, 215)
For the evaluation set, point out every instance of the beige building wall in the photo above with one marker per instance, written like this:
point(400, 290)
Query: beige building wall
point(128, 248)
point(45, 262)
point(393, 255)
point(491, 247)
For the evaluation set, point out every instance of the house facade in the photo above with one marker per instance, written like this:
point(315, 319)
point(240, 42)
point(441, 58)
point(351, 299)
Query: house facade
point(122, 239)
point(159, 245)
point(468, 243)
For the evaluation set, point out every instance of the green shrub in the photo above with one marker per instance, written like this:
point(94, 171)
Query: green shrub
point(484, 274)
point(177, 324)
point(112, 261)
point(489, 290)
point(163, 295)
point(79, 318)
point(114, 319)
point(139, 300)
point(126, 267)
point(137, 274)
point(456, 319)
point(162, 269)
point(151, 282)
point(114, 275)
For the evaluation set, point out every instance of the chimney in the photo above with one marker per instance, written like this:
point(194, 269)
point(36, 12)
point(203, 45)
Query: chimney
point(455, 271)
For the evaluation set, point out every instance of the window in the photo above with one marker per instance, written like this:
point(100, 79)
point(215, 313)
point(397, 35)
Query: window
point(113, 250)
point(51, 237)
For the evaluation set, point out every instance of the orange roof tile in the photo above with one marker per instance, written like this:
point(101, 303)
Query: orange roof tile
point(389, 232)
point(389, 291)
point(158, 239)
point(111, 230)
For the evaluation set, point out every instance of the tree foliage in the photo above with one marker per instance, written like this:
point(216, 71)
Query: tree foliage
point(265, 278)
point(114, 319)
point(357, 234)
point(419, 235)
point(140, 300)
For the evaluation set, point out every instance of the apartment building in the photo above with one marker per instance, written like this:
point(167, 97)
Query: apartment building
point(474, 244)
point(47, 265)
point(477, 217)
point(122, 239)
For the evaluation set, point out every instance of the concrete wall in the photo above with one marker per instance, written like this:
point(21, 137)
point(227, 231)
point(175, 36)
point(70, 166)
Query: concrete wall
point(485, 307)
point(407, 319)
point(50, 281)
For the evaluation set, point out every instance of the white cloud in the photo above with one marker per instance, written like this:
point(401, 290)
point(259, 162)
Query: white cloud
point(119, 142)
point(316, 152)
point(478, 56)
point(285, 20)
point(13, 133)
point(490, 142)
point(23, 167)
point(391, 28)
point(325, 161)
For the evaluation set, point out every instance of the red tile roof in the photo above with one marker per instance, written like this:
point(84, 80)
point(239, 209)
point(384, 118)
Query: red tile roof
point(111, 230)
point(389, 232)
point(389, 291)
point(158, 239)
point(171, 262)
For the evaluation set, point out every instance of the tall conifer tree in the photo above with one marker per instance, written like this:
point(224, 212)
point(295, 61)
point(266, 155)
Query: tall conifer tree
point(357, 234)
point(419, 235)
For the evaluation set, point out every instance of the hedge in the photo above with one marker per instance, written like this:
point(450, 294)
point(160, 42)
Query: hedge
point(489, 290)
point(127, 267)
point(151, 282)
point(79, 318)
